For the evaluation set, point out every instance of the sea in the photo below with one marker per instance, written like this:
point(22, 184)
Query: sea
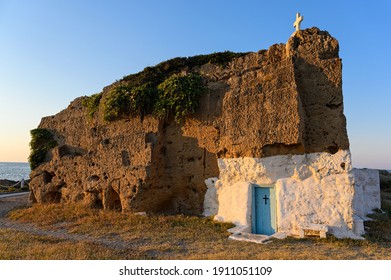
point(14, 171)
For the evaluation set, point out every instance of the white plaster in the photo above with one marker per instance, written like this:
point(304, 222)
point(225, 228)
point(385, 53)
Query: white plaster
point(235, 204)
point(254, 238)
point(358, 225)
point(210, 200)
point(238, 229)
point(269, 170)
point(367, 192)
point(310, 189)
point(313, 201)
point(340, 232)
point(240, 235)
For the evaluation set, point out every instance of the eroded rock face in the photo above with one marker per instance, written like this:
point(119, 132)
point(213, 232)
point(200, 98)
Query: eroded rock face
point(285, 100)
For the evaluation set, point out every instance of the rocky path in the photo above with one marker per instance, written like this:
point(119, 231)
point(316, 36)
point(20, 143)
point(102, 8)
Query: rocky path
point(9, 203)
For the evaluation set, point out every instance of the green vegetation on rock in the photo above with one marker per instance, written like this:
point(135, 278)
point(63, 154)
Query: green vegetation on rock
point(117, 103)
point(124, 100)
point(157, 74)
point(159, 90)
point(92, 103)
point(179, 95)
point(41, 142)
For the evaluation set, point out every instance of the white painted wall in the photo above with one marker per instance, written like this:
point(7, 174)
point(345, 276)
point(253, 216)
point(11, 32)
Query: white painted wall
point(367, 191)
point(313, 188)
point(235, 204)
point(210, 201)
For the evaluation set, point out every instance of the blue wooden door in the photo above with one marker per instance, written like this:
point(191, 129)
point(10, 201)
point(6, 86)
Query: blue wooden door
point(264, 211)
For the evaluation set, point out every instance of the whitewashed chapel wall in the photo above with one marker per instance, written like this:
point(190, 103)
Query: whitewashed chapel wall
point(313, 188)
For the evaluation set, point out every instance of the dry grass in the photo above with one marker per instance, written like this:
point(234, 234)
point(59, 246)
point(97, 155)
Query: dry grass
point(21, 246)
point(380, 227)
point(172, 237)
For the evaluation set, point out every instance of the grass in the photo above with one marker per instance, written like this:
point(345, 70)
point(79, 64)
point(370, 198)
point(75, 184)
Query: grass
point(16, 246)
point(166, 237)
point(7, 189)
point(13, 189)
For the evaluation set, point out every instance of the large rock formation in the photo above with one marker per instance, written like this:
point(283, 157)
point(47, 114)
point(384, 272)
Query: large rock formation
point(286, 100)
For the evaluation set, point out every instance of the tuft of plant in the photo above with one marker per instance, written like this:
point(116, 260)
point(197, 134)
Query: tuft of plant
point(124, 100)
point(142, 99)
point(117, 103)
point(41, 142)
point(178, 95)
point(92, 103)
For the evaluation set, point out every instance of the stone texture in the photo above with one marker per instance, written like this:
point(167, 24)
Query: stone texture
point(284, 100)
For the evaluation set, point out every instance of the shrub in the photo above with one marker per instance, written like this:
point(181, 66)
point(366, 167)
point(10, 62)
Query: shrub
point(117, 103)
point(124, 100)
point(220, 58)
point(41, 142)
point(179, 95)
point(142, 99)
point(92, 103)
point(158, 90)
point(157, 74)
point(25, 188)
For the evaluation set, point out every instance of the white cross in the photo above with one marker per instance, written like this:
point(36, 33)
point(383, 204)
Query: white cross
point(297, 22)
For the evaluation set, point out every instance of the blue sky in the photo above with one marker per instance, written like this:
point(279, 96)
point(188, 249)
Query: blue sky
point(53, 51)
